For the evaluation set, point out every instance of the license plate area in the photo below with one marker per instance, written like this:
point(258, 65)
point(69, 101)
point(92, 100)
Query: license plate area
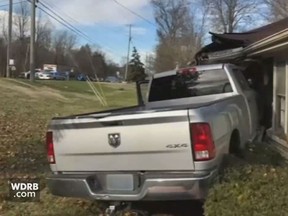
point(120, 182)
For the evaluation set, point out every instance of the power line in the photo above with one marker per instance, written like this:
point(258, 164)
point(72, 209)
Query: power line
point(59, 10)
point(132, 42)
point(53, 6)
point(75, 30)
point(63, 22)
point(133, 12)
point(79, 31)
point(70, 25)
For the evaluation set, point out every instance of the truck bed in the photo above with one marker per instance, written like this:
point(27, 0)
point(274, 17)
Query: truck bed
point(145, 109)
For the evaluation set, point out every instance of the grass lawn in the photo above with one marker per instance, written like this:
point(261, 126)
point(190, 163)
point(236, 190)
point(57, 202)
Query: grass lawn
point(257, 183)
point(25, 110)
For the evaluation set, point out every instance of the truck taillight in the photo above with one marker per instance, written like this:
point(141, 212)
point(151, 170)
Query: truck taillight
point(202, 142)
point(191, 70)
point(50, 147)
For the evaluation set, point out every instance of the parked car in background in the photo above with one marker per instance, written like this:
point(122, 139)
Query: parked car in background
point(58, 75)
point(45, 76)
point(112, 79)
point(26, 75)
point(81, 77)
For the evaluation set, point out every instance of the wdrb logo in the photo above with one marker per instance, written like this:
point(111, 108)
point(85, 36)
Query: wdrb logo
point(25, 186)
point(24, 190)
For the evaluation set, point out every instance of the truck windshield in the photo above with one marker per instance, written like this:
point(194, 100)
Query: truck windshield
point(193, 84)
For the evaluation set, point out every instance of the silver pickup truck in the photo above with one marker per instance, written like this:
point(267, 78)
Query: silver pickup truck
point(169, 147)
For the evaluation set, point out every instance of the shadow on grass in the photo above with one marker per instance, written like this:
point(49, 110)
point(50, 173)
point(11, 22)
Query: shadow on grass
point(156, 208)
point(255, 154)
point(175, 208)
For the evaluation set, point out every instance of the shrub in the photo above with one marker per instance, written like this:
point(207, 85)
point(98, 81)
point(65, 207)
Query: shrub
point(255, 185)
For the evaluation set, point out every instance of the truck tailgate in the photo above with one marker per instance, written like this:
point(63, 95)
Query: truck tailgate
point(145, 141)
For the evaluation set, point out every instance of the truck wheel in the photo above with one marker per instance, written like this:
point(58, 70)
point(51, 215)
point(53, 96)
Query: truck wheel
point(235, 144)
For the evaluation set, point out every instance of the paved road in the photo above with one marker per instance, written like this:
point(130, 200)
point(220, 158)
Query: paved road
point(171, 208)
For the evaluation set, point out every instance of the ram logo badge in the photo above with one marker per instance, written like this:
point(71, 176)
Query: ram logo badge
point(114, 140)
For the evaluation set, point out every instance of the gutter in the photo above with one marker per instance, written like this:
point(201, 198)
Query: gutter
point(268, 49)
point(258, 47)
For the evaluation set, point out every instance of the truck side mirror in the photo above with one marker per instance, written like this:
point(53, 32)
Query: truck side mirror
point(142, 88)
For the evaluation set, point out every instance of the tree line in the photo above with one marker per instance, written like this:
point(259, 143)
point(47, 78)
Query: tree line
point(181, 25)
point(51, 47)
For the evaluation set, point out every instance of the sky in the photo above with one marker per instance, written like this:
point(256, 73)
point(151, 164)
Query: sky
point(106, 24)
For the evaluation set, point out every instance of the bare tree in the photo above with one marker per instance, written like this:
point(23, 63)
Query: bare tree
point(63, 43)
point(170, 17)
point(3, 44)
point(278, 9)
point(179, 37)
point(229, 15)
point(3, 58)
point(43, 41)
point(149, 64)
point(21, 20)
point(4, 27)
point(21, 29)
point(43, 31)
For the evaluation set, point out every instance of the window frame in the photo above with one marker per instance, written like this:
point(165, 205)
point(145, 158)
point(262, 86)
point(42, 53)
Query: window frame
point(242, 81)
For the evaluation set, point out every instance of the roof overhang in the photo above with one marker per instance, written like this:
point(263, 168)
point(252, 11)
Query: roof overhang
point(267, 45)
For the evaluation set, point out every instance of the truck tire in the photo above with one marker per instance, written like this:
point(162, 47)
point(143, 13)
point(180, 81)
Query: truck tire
point(235, 144)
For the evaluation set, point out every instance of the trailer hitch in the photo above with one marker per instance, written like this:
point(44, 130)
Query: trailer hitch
point(123, 209)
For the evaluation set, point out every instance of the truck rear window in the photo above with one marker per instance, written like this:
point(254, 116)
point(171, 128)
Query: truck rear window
point(198, 83)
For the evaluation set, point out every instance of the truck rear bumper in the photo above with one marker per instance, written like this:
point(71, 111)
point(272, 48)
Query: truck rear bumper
point(168, 186)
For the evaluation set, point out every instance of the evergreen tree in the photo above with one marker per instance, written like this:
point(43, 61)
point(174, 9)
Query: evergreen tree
point(136, 67)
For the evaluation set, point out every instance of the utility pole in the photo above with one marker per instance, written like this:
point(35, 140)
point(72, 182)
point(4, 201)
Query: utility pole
point(9, 38)
point(32, 40)
point(128, 54)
